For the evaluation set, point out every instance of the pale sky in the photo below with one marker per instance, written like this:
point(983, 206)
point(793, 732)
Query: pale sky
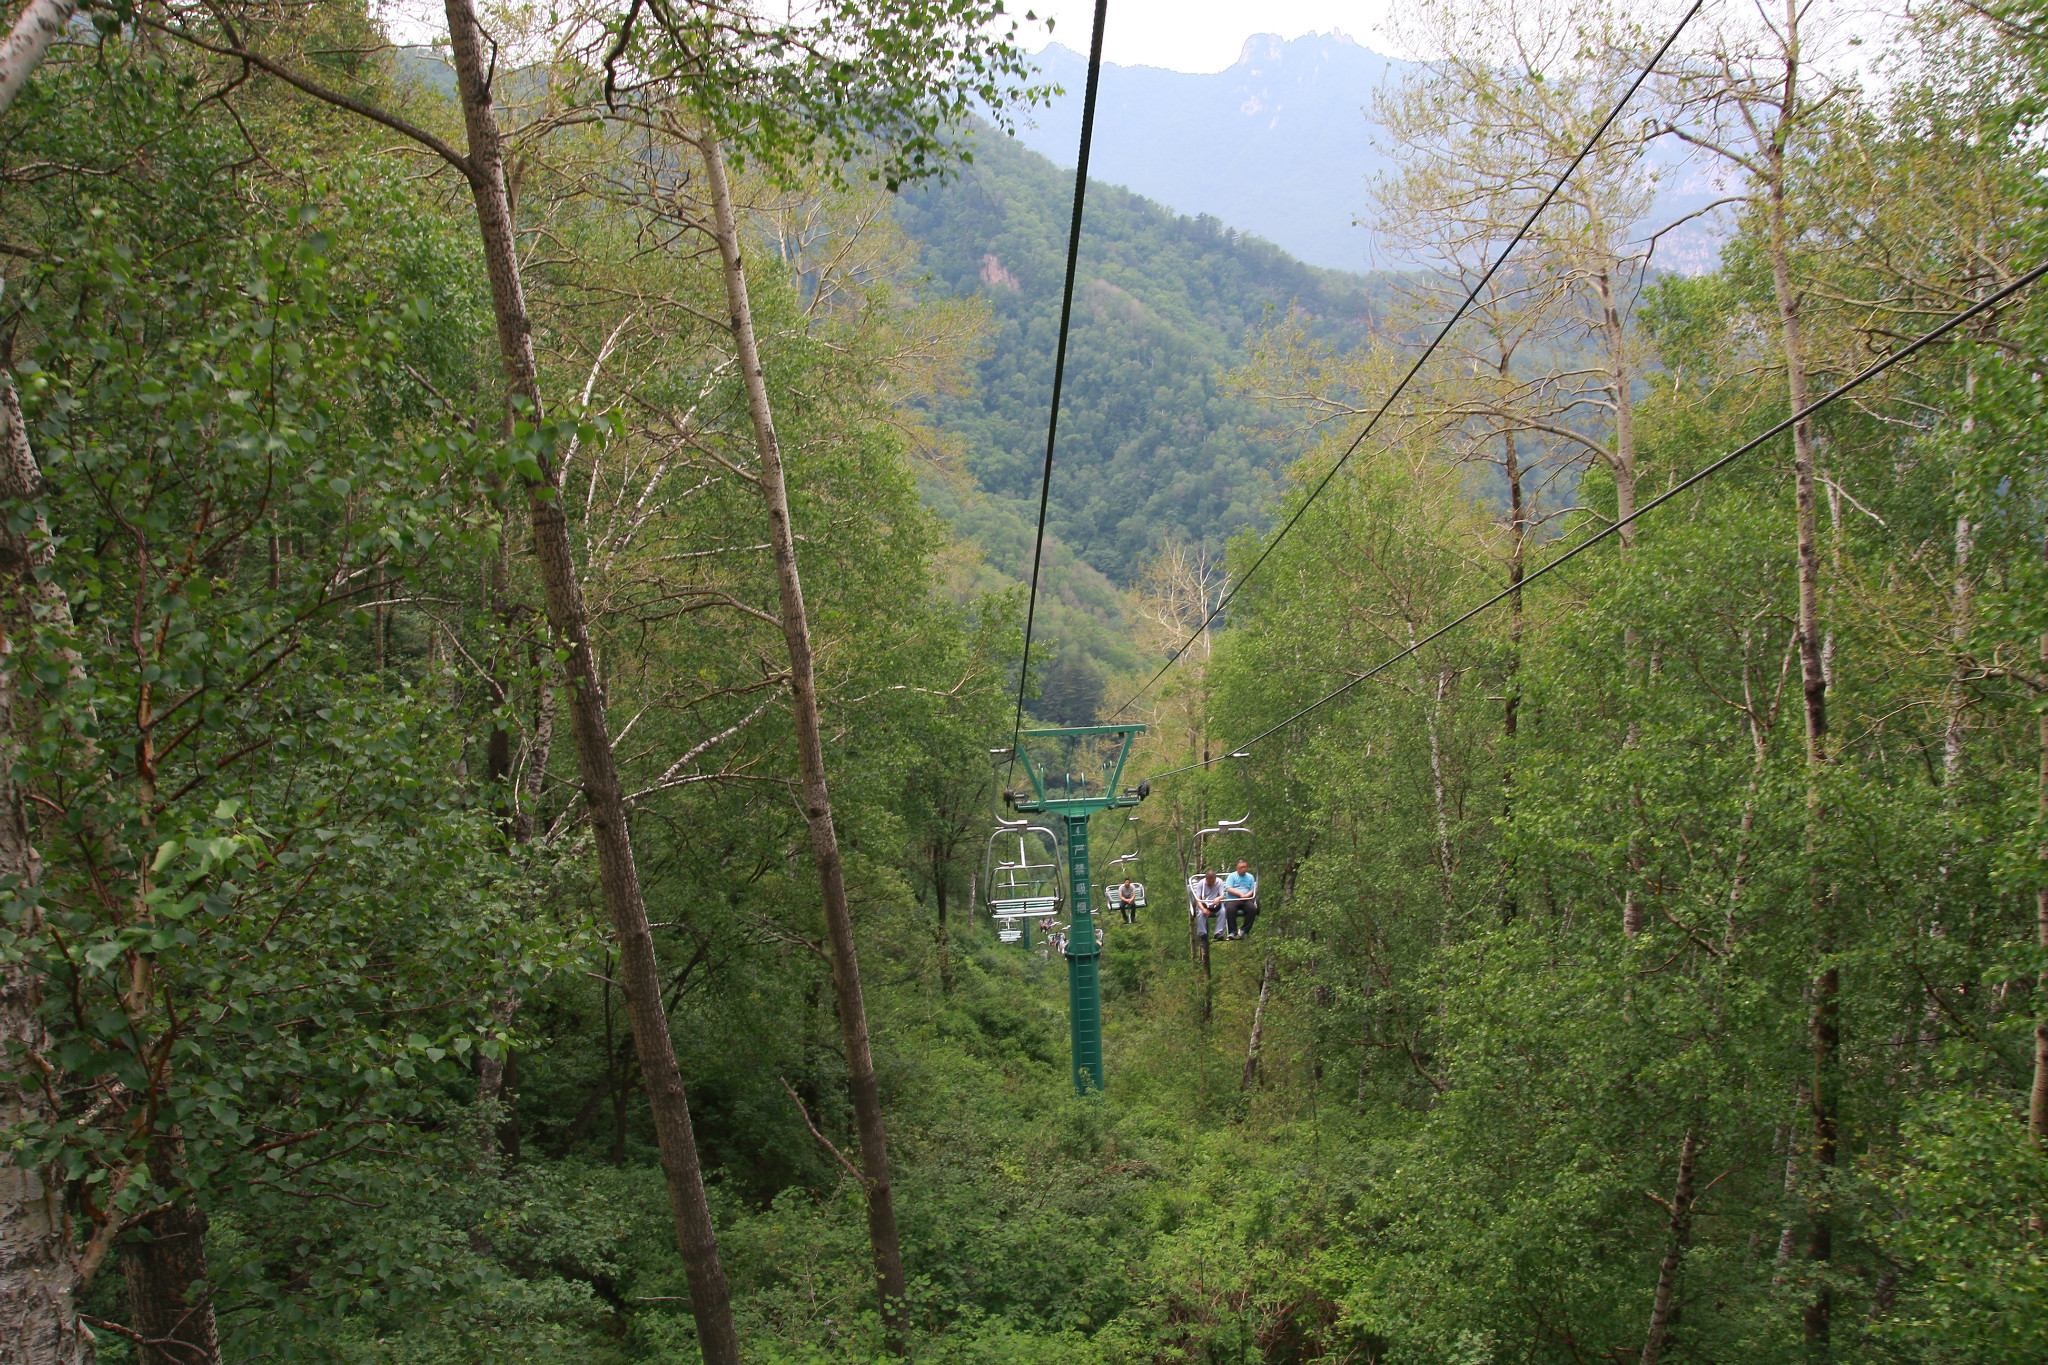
point(1202, 35)
point(1206, 35)
point(1180, 35)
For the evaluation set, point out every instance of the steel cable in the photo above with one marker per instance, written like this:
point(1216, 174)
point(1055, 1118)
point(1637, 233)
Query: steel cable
point(1059, 364)
point(1471, 297)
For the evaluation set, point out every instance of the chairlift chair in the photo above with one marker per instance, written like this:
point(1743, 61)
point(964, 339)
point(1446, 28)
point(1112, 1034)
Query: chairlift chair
point(1200, 871)
point(1114, 885)
point(1027, 886)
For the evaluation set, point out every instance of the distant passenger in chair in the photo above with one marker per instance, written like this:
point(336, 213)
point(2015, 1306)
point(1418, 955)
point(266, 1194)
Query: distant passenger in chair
point(1127, 901)
point(1241, 898)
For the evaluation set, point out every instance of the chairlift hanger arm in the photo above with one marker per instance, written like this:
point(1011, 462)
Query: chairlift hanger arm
point(1051, 772)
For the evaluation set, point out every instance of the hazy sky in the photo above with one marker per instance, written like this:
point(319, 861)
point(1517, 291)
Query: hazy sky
point(1202, 35)
point(1181, 35)
point(1206, 35)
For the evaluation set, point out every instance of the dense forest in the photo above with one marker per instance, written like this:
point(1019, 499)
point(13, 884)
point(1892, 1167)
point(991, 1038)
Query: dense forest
point(508, 588)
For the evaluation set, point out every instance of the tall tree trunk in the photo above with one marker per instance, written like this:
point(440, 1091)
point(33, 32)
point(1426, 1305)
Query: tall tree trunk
point(1251, 1052)
point(163, 1260)
point(1622, 465)
point(1788, 1232)
point(500, 1136)
point(169, 1300)
point(941, 870)
point(1820, 1247)
point(817, 799)
point(38, 1316)
point(1959, 635)
point(1620, 382)
point(1825, 1018)
point(1663, 1304)
point(497, 1077)
point(1746, 827)
point(41, 23)
point(1511, 701)
point(618, 876)
point(2037, 1114)
point(1438, 784)
point(1812, 676)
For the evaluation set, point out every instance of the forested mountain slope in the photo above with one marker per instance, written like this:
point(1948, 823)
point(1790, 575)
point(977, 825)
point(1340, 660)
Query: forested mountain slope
point(1153, 446)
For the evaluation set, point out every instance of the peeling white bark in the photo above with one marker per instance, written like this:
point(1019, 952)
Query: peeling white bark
point(28, 42)
point(38, 1318)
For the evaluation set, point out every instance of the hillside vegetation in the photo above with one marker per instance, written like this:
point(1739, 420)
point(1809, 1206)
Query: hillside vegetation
point(1153, 444)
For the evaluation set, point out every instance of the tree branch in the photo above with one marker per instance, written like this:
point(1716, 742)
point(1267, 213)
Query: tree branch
point(823, 1141)
point(403, 127)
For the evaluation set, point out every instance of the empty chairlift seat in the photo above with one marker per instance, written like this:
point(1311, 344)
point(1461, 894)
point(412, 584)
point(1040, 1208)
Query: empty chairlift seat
point(1024, 885)
point(1023, 907)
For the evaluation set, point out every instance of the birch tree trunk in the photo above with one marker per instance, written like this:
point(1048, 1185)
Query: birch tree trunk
point(1663, 1304)
point(41, 23)
point(1813, 695)
point(1825, 1019)
point(568, 618)
point(1961, 601)
point(2037, 1111)
point(1251, 1054)
point(817, 799)
point(38, 1317)
point(1614, 331)
point(1511, 684)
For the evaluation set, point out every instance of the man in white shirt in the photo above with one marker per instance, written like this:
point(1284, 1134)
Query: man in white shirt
point(1208, 907)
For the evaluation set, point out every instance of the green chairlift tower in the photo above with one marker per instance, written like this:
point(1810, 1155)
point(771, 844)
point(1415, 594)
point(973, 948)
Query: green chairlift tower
point(1074, 773)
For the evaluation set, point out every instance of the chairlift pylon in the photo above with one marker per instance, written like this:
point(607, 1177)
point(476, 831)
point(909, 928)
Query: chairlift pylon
point(1072, 774)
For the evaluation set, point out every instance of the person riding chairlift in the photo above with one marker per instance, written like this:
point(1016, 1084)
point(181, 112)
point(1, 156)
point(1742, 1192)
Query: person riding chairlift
point(1241, 899)
point(1211, 907)
point(1127, 900)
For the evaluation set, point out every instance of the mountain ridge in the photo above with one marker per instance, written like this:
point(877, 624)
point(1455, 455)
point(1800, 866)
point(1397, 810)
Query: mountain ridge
point(1278, 144)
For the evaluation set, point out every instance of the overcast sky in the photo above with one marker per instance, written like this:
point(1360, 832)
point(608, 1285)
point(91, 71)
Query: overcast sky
point(1180, 35)
point(1202, 35)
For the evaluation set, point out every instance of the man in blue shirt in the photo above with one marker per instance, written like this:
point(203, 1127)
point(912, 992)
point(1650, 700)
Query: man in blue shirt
point(1241, 897)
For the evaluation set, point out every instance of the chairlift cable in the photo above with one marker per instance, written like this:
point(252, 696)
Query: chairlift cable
point(1175, 655)
point(1857, 381)
point(1059, 364)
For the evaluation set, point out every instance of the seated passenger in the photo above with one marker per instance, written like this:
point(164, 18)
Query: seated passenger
point(1208, 906)
point(1241, 898)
